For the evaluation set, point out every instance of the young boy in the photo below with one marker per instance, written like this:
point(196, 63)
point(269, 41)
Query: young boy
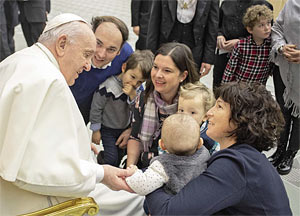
point(185, 159)
point(196, 99)
point(249, 60)
point(110, 110)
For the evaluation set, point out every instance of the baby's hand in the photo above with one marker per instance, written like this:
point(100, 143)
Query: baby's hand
point(132, 169)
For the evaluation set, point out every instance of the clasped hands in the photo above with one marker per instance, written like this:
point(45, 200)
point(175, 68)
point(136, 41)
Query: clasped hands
point(291, 53)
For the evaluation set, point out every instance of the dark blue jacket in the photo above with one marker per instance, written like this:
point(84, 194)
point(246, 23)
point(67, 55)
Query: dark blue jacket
point(239, 180)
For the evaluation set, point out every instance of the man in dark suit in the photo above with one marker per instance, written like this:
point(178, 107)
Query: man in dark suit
point(12, 20)
point(4, 49)
point(8, 21)
point(33, 17)
point(192, 22)
point(140, 13)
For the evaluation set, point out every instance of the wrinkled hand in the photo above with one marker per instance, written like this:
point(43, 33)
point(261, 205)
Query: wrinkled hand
point(96, 137)
point(291, 54)
point(204, 70)
point(114, 178)
point(130, 91)
point(136, 30)
point(94, 149)
point(123, 138)
point(228, 45)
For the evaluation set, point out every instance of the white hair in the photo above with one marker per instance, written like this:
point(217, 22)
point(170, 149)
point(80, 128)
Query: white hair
point(71, 29)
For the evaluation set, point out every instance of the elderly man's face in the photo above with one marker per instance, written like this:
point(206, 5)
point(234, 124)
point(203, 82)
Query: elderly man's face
point(78, 55)
point(109, 42)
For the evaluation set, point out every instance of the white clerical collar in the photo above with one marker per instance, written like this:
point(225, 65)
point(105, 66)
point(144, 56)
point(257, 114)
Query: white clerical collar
point(103, 67)
point(48, 54)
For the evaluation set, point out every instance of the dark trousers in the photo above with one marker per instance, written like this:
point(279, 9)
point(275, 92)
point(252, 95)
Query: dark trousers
point(219, 67)
point(4, 47)
point(10, 38)
point(290, 135)
point(112, 153)
point(32, 31)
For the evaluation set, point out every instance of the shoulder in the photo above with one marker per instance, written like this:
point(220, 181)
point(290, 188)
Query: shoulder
point(125, 52)
point(242, 156)
point(126, 49)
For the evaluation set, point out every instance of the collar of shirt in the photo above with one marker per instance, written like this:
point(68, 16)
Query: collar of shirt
point(252, 41)
point(48, 53)
point(104, 67)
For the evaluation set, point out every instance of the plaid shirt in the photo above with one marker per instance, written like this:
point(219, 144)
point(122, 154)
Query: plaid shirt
point(249, 62)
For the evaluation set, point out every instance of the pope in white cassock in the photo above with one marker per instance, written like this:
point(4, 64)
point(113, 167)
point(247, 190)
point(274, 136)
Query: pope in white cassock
point(44, 144)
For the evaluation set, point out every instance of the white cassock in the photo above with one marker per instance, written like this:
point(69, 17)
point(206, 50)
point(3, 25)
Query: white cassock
point(44, 144)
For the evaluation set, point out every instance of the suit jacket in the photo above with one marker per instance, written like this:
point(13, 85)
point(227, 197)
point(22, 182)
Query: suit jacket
point(205, 25)
point(140, 13)
point(11, 12)
point(34, 10)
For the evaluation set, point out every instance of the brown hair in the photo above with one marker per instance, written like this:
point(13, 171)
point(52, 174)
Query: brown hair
point(256, 114)
point(183, 59)
point(142, 59)
point(255, 13)
point(96, 21)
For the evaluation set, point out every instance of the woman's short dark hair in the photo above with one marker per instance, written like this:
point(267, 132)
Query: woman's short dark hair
point(182, 57)
point(257, 115)
point(96, 21)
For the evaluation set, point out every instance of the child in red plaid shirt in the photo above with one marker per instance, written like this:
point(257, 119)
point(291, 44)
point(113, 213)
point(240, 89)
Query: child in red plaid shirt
point(250, 58)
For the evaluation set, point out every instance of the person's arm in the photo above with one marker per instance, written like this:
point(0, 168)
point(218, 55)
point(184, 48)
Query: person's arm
point(231, 67)
point(146, 182)
point(220, 186)
point(277, 36)
point(97, 107)
point(135, 14)
point(133, 152)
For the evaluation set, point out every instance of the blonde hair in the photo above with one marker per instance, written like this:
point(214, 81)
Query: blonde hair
point(180, 134)
point(192, 90)
point(255, 13)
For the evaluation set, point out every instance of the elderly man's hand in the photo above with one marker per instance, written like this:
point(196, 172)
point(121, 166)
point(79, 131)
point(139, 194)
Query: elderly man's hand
point(114, 178)
point(291, 53)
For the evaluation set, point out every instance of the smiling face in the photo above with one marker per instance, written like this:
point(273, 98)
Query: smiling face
point(132, 77)
point(261, 30)
point(76, 56)
point(109, 42)
point(193, 107)
point(166, 77)
point(219, 125)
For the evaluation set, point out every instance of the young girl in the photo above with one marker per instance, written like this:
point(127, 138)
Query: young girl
point(196, 99)
point(110, 110)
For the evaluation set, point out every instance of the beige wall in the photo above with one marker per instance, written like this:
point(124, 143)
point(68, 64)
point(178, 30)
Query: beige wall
point(277, 6)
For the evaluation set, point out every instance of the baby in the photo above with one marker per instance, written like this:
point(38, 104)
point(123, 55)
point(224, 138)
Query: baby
point(185, 158)
point(196, 99)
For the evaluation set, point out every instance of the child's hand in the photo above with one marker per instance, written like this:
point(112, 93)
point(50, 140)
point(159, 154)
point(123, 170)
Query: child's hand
point(129, 90)
point(96, 137)
point(132, 169)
